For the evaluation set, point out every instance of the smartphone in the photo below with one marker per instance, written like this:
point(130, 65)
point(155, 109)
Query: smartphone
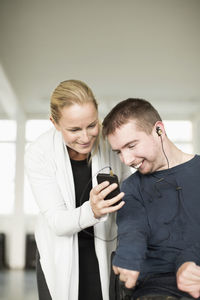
point(112, 179)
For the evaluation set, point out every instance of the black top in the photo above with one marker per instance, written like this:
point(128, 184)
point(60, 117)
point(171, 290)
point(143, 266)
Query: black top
point(89, 277)
point(83, 184)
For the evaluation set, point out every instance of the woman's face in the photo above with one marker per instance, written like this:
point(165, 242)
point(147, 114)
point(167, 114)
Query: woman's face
point(79, 126)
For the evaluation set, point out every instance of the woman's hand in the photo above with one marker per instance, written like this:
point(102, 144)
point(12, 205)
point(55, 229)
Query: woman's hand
point(100, 206)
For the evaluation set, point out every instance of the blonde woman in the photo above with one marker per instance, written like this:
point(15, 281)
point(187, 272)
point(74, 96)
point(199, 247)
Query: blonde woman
point(75, 225)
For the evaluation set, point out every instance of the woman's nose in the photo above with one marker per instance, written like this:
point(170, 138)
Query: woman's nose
point(85, 136)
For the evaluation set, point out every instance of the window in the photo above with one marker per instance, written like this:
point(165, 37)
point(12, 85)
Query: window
point(34, 128)
point(8, 129)
point(180, 132)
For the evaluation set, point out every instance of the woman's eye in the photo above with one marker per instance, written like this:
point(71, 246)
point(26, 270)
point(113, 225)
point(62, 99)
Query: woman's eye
point(73, 130)
point(92, 125)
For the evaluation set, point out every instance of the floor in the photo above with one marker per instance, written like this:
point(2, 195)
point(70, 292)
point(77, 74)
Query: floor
point(18, 285)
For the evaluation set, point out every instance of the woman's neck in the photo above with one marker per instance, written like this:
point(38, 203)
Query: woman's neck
point(76, 155)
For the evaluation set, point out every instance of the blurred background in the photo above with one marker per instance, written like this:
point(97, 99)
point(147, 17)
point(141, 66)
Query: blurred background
point(133, 48)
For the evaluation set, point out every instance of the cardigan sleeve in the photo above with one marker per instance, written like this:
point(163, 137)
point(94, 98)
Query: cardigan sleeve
point(41, 172)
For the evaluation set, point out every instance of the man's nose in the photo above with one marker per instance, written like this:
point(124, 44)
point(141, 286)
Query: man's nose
point(127, 158)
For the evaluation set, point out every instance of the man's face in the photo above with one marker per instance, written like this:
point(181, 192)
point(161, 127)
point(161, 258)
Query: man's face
point(138, 149)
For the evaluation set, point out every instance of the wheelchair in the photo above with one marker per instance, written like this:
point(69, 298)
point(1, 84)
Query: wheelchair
point(119, 292)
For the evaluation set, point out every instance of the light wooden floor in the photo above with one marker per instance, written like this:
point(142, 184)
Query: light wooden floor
point(18, 285)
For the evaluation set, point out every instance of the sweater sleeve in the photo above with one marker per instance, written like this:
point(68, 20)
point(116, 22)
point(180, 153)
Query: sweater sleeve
point(132, 230)
point(41, 172)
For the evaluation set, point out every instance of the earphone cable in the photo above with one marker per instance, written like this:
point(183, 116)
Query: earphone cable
point(80, 203)
point(164, 151)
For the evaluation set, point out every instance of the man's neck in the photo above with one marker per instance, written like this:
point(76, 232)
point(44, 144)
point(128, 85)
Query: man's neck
point(176, 156)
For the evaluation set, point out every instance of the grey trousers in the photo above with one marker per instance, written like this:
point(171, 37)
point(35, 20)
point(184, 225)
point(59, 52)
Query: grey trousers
point(43, 291)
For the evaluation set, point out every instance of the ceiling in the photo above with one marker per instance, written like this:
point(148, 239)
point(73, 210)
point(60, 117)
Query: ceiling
point(133, 48)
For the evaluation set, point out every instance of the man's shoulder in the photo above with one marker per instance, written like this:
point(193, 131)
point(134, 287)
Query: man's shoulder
point(133, 179)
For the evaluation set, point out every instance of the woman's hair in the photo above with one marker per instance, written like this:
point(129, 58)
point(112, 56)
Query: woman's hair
point(67, 93)
point(139, 110)
point(71, 92)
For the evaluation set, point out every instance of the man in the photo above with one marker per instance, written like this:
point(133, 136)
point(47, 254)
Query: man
point(159, 225)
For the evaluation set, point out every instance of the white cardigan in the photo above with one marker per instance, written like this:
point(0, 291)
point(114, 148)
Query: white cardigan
point(49, 171)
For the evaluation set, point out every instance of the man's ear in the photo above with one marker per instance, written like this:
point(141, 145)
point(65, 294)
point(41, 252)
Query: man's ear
point(54, 123)
point(159, 128)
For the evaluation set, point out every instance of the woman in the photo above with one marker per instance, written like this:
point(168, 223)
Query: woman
point(75, 225)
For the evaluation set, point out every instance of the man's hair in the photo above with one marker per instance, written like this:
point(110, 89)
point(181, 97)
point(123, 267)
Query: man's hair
point(135, 109)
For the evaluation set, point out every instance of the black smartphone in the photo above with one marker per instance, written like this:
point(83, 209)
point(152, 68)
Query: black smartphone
point(112, 179)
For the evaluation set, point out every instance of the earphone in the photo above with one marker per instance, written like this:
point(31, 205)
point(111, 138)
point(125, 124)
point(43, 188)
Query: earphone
point(158, 131)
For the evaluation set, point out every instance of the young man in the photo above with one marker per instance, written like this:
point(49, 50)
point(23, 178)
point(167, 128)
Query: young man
point(159, 225)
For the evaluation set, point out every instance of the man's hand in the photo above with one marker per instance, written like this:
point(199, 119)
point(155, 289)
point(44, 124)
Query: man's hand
point(127, 276)
point(188, 279)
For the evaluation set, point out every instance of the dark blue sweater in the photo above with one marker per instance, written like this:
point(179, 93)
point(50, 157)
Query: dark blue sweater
point(159, 225)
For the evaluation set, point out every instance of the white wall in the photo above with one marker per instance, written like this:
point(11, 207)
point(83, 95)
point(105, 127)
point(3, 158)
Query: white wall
point(133, 48)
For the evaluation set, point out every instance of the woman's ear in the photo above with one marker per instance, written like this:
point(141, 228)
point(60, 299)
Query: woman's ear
point(54, 123)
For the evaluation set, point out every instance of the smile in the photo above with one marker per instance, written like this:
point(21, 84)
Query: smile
point(85, 145)
point(137, 166)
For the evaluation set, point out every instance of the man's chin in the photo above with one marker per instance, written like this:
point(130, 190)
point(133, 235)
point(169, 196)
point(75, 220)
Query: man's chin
point(143, 171)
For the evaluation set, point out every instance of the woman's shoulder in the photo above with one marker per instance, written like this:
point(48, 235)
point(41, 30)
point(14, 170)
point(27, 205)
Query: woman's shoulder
point(46, 137)
point(45, 142)
point(42, 151)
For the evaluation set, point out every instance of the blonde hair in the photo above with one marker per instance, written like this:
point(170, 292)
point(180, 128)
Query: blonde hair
point(67, 93)
point(71, 92)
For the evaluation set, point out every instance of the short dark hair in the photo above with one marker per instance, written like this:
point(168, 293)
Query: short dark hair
point(136, 109)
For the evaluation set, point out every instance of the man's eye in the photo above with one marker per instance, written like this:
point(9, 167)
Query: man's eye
point(131, 146)
point(117, 152)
